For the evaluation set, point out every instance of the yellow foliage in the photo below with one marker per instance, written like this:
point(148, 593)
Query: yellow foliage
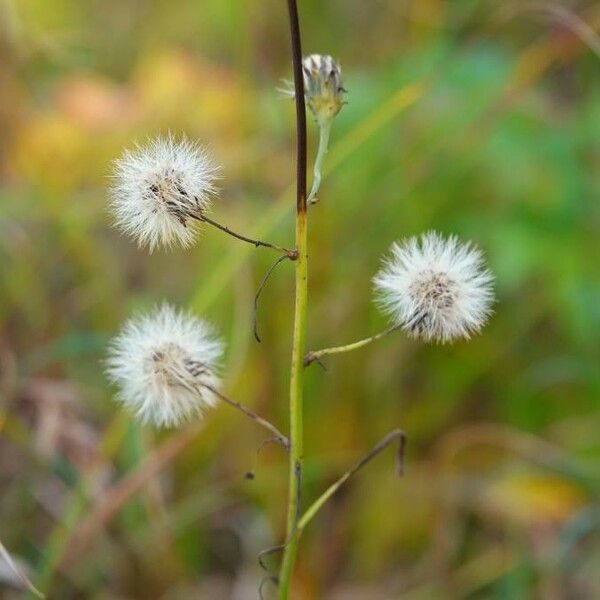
point(532, 499)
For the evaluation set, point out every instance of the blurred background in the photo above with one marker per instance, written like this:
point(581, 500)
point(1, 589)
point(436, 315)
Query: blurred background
point(480, 118)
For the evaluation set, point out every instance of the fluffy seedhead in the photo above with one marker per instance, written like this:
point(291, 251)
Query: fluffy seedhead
point(162, 364)
point(161, 189)
point(437, 289)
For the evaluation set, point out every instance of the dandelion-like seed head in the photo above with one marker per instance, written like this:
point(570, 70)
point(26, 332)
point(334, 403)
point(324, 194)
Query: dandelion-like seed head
point(163, 363)
point(161, 189)
point(437, 289)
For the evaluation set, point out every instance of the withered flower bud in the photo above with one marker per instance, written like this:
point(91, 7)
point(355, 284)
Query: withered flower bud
point(323, 86)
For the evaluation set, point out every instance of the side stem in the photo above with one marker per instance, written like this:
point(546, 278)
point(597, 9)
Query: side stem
point(324, 131)
point(313, 509)
point(315, 355)
point(261, 287)
point(282, 439)
point(291, 254)
point(300, 312)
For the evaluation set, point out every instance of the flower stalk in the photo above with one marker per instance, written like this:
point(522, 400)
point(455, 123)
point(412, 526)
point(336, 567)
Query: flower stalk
point(325, 98)
point(300, 314)
point(324, 131)
point(313, 509)
point(291, 254)
point(316, 355)
point(277, 435)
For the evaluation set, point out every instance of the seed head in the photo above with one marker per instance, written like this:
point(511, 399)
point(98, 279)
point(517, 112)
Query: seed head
point(323, 89)
point(162, 363)
point(437, 289)
point(161, 189)
point(323, 86)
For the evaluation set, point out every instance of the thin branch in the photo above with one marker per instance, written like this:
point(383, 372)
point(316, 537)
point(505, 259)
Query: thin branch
point(259, 292)
point(269, 552)
point(324, 131)
point(315, 355)
point(266, 579)
point(272, 440)
point(396, 434)
point(291, 254)
point(282, 439)
point(270, 576)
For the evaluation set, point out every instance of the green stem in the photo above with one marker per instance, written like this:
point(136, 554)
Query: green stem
point(317, 354)
point(296, 417)
point(324, 131)
point(313, 509)
point(298, 347)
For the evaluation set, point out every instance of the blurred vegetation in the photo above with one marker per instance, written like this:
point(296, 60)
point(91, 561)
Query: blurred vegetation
point(475, 117)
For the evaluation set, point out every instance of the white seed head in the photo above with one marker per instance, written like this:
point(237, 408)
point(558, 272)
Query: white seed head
point(437, 289)
point(160, 190)
point(161, 363)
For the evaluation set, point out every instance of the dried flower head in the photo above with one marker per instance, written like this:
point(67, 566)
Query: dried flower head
point(162, 363)
point(435, 288)
point(323, 86)
point(161, 189)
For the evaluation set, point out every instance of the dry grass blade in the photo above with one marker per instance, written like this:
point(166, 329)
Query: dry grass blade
point(20, 575)
point(126, 489)
point(530, 446)
point(571, 21)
